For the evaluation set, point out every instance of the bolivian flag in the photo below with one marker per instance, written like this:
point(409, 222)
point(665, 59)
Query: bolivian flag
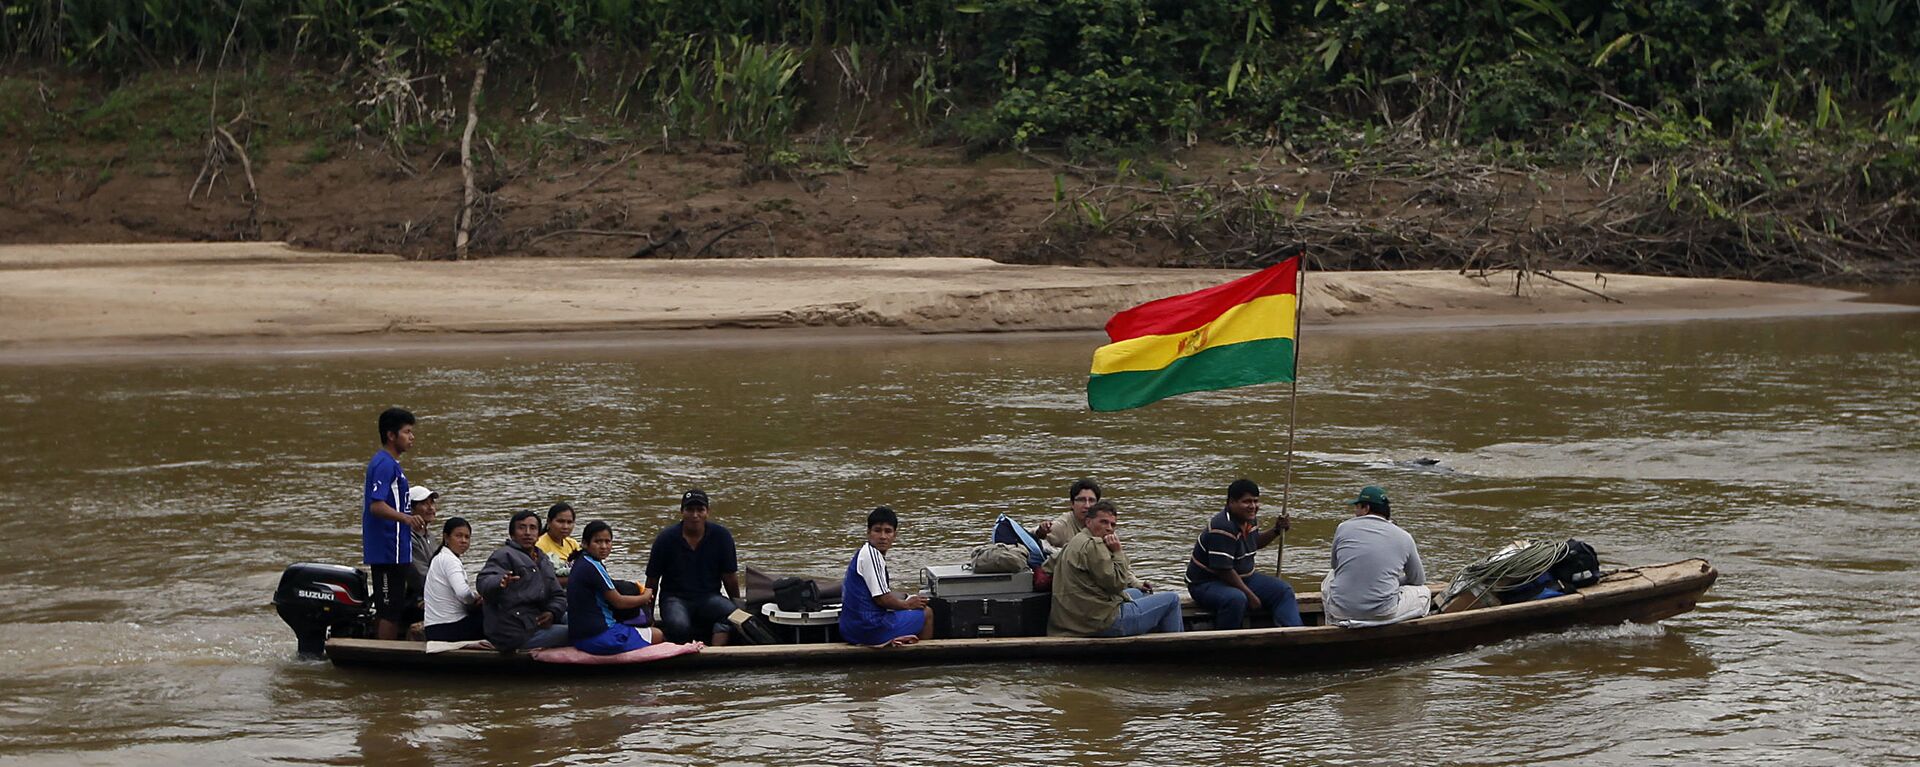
point(1237, 334)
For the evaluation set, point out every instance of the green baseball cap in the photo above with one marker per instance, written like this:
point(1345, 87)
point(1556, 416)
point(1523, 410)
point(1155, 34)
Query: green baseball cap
point(1373, 494)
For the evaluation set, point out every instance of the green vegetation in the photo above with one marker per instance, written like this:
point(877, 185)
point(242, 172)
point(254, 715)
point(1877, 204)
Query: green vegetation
point(1741, 105)
point(1092, 73)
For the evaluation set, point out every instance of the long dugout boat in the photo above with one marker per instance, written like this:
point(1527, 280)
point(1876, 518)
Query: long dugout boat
point(1637, 594)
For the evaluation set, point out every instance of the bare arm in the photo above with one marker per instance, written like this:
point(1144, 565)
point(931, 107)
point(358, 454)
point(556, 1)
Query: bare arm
point(894, 600)
point(621, 601)
point(1281, 524)
point(731, 583)
point(382, 510)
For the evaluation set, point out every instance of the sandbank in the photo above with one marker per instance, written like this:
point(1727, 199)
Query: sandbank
point(118, 299)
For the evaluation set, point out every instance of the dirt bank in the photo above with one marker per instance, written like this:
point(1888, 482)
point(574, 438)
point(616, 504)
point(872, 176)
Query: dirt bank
point(300, 156)
point(73, 296)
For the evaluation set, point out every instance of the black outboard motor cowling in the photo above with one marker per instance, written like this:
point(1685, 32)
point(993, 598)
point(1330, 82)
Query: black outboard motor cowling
point(319, 600)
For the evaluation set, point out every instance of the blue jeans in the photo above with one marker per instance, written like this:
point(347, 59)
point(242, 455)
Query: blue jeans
point(1229, 605)
point(680, 616)
point(551, 636)
point(1147, 612)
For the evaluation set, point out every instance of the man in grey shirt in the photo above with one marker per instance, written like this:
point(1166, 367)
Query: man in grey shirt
point(1376, 578)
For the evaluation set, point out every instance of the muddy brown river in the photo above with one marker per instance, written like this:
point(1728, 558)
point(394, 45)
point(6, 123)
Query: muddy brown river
point(157, 501)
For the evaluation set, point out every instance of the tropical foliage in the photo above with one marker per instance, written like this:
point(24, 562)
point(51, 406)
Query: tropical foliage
point(1096, 72)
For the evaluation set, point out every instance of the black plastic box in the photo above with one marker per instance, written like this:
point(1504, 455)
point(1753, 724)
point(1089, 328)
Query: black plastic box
point(981, 617)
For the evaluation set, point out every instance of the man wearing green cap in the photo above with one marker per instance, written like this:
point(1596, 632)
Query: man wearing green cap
point(1376, 577)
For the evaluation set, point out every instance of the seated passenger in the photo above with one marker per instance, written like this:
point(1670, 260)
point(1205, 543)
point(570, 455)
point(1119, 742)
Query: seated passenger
point(1093, 587)
point(425, 503)
point(871, 612)
point(1220, 573)
point(556, 540)
point(1376, 578)
point(452, 606)
point(525, 606)
point(592, 598)
point(696, 558)
point(1080, 497)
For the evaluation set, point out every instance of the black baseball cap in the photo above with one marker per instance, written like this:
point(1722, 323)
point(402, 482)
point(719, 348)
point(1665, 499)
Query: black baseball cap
point(694, 497)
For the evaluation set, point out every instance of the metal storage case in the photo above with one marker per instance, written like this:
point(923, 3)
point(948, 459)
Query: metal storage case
point(948, 581)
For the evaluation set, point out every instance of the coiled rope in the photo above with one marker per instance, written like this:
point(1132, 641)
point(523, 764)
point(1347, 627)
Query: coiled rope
point(1507, 569)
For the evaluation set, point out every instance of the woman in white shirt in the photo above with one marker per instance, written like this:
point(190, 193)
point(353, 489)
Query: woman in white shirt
point(452, 606)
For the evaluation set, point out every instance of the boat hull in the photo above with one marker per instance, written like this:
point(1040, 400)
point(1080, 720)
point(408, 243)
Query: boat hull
point(1637, 595)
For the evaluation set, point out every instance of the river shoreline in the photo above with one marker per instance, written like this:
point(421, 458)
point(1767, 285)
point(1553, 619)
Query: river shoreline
point(63, 303)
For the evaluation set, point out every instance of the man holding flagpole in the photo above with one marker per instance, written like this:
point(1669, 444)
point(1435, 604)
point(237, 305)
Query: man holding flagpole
point(1220, 573)
point(1242, 333)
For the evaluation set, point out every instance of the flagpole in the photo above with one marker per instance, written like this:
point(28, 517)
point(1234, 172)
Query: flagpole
point(1293, 404)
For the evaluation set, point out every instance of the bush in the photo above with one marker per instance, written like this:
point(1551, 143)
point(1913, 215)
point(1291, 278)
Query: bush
point(1086, 73)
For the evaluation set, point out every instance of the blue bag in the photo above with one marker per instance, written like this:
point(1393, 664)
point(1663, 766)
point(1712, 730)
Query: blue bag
point(1005, 530)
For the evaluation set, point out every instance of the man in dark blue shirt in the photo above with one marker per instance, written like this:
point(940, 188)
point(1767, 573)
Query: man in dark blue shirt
point(696, 558)
point(387, 524)
point(1220, 573)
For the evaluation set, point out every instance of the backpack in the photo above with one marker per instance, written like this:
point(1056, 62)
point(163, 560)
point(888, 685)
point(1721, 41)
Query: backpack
point(999, 558)
point(752, 629)
point(1042, 580)
point(797, 595)
point(632, 616)
point(1005, 530)
point(1579, 567)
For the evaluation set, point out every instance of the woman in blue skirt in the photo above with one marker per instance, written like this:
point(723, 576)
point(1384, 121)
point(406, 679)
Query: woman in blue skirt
point(592, 598)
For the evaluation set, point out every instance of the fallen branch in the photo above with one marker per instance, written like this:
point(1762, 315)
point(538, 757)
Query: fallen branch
point(723, 233)
point(1603, 296)
point(216, 157)
point(597, 176)
point(588, 232)
point(677, 235)
point(246, 164)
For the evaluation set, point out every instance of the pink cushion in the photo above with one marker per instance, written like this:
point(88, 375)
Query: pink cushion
point(642, 655)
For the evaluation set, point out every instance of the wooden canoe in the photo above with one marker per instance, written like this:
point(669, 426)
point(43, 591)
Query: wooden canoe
point(1639, 595)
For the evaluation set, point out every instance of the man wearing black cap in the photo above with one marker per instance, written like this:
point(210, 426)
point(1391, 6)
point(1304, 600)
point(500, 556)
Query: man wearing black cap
point(1377, 577)
point(696, 558)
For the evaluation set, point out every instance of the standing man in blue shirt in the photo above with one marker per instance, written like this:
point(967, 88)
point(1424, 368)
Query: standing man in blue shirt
point(1220, 573)
point(387, 524)
point(696, 558)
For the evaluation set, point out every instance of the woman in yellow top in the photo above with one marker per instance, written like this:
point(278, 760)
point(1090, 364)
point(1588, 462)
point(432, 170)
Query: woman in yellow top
point(557, 540)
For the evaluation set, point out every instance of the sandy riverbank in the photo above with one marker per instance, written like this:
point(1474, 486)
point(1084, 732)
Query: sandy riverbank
point(68, 297)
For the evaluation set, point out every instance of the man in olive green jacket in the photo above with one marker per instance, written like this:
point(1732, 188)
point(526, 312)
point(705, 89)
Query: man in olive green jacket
point(1091, 586)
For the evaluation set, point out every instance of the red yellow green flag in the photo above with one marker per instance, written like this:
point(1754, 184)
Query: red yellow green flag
point(1238, 334)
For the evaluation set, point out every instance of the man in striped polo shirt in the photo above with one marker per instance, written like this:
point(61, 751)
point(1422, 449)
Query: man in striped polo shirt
point(1220, 573)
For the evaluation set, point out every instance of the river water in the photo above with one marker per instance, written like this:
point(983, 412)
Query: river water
point(159, 499)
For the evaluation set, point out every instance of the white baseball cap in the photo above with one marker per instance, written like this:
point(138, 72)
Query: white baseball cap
point(418, 494)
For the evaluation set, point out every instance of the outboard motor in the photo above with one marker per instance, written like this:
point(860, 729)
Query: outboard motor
point(319, 600)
